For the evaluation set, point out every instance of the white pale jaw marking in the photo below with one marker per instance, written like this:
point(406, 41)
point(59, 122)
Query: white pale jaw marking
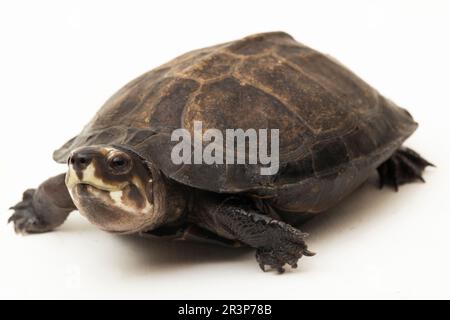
point(117, 197)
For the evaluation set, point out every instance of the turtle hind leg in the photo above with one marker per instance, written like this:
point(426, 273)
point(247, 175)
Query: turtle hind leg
point(404, 166)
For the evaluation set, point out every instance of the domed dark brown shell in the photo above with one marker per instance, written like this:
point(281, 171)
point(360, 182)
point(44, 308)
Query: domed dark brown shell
point(328, 118)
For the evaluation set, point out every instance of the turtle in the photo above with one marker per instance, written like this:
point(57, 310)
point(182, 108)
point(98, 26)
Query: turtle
point(335, 130)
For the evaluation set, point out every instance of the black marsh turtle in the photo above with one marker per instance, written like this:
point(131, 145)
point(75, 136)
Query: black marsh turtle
point(334, 131)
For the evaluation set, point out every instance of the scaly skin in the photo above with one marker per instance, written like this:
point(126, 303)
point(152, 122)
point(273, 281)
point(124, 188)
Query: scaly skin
point(44, 209)
point(277, 243)
point(404, 166)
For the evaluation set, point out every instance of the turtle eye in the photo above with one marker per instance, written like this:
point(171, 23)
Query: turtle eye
point(120, 164)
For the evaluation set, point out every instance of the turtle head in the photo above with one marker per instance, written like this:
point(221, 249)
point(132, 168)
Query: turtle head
point(113, 188)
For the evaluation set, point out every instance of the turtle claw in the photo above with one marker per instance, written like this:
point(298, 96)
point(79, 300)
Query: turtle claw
point(308, 253)
point(262, 267)
point(287, 249)
point(404, 166)
point(24, 217)
point(22, 223)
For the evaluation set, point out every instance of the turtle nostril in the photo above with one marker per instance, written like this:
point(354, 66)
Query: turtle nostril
point(80, 161)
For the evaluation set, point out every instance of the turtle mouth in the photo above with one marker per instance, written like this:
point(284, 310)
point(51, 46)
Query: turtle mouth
point(92, 193)
point(88, 185)
point(86, 189)
point(90, 190)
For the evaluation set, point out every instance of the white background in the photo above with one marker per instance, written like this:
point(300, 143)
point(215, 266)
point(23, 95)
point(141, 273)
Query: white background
point(60, 60)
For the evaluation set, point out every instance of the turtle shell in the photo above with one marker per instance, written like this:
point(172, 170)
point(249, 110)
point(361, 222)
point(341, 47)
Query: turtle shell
point(328, 118)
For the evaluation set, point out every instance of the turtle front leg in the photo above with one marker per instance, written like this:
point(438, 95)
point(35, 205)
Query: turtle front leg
point(43, 209)
point(277, 243)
